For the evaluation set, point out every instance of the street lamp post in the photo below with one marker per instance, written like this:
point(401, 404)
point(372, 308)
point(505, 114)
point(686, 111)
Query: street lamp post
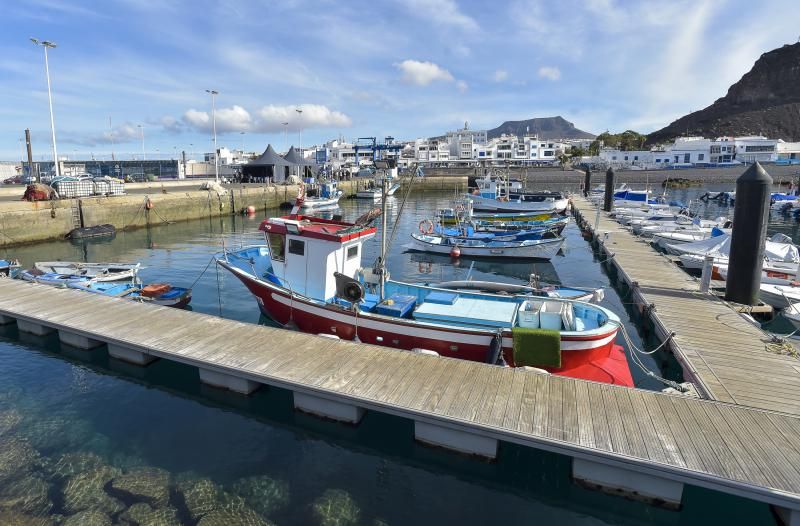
point(214, 94)
point(144, 158)
point(300, 129)
point(46, 44)
point(286, 135)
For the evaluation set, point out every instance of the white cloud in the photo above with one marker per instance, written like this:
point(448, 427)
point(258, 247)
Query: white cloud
point(268, 119)
point(122, 133)
point(500, 75)
point(442, 12)
point(422, 73)
point(462, 86)
point(549, 72)
point(271, 118)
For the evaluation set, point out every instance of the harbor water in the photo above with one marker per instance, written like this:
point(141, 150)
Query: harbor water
point(93, 439)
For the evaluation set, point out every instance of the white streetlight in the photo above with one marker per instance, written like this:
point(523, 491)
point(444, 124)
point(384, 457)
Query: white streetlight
point(242, 134)
point(214, 94)
point(300, 124)
point(141, 129)
point(46, 44)
point(286, 135)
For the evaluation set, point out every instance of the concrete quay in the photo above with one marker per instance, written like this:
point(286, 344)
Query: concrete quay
point(22, 222)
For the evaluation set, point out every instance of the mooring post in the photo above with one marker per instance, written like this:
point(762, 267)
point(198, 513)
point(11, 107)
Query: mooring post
point(587, 182)
point(608, 201)
point(708, 270)
point(749, 232)
point(596, 220)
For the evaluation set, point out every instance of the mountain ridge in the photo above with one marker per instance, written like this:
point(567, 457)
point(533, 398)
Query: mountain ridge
point(545, 127)
point(765, 101)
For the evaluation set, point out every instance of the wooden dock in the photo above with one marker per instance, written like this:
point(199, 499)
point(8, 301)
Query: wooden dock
point(721, 352)
point(636, 442)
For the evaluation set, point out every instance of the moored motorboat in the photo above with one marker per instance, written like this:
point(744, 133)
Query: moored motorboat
point(472, 247)
point(328, 197)
point(52, 278)
point(9, 268)
point(95, 271)
point(156, 293)
point(309, 275)
point(496, 195)
point(779, 296)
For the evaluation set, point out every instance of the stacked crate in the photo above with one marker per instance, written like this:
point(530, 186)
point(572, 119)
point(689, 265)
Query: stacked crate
point(108, 187)
point(72, 189)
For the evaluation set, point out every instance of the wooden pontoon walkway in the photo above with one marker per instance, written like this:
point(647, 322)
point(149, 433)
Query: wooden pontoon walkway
point(723, 354)
point(642, 441)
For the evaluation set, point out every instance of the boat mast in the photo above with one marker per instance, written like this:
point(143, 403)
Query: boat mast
point(384, 190)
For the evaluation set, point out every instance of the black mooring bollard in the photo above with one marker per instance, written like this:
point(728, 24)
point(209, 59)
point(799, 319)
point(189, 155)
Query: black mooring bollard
point(608, 201)
point(587, 183)
point(750, 218)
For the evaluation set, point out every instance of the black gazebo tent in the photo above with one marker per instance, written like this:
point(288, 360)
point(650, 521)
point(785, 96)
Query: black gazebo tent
point(304, 167)
point(269, 164)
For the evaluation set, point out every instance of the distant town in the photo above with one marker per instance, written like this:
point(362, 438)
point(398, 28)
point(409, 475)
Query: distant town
point(464, 147)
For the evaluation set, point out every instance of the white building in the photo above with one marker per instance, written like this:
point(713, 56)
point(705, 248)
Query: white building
point(229, 157)
point(756, 148)
point(787, 151)
point(462, 142)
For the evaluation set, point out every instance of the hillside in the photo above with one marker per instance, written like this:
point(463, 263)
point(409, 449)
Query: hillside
point(544, 127)
point(765, 101)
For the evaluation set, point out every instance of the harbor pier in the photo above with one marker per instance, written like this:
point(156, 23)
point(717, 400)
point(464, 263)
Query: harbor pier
point(640, 444)
point(722, 353)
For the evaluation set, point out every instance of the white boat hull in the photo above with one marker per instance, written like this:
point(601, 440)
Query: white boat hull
point(314, 202)
point(485, 204)
point(538, 249)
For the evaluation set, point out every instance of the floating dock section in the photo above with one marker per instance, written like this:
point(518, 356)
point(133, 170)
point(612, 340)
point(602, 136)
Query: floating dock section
point(641, 444)
point(727, 357)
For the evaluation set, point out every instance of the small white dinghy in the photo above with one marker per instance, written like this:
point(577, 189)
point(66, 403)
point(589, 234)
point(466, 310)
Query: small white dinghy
point(95, 271)
point(779, 296)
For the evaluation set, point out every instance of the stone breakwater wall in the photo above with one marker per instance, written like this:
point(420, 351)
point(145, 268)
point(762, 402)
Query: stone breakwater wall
point(22, 222)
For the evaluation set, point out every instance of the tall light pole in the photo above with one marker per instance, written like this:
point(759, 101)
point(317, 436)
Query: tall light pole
point(242, 134)
point(286, 135)
point(141, 129)
point(300, 123)
point(46, 44)
point(214, 94)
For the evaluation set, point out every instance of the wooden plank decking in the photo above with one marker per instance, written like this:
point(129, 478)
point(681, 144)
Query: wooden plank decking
point(735, 449)
point(727, 357)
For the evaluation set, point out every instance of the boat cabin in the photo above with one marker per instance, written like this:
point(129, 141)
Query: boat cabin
point(305, 252)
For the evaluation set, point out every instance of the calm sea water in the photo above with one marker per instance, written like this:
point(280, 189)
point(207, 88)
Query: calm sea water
point(82, 434)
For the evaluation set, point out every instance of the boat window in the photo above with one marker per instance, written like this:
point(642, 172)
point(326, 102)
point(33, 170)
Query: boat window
point(297, 247)
point(277, 247)
point(352, 252)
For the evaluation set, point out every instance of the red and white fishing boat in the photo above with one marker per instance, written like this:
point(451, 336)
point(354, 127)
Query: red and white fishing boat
point(309, 276)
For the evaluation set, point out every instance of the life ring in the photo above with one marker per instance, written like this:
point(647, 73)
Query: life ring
point(148, 204)
point(426, 226)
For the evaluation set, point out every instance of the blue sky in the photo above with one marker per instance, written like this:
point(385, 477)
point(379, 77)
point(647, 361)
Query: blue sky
point(407, 68)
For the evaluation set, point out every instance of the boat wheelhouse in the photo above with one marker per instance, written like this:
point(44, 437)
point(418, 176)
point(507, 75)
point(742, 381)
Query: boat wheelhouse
point(309, 276)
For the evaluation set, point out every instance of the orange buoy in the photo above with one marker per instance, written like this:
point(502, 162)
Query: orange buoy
point(455, 252)
point(251, 210)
